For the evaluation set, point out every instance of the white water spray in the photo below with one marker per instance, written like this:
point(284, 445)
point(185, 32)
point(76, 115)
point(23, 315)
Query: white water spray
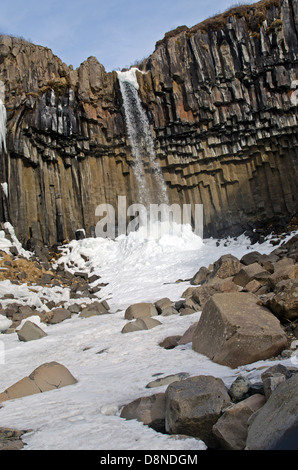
point(2, 119)
point(141, 141)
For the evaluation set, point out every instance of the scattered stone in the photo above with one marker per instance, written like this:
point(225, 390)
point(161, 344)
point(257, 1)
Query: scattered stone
point(160, 382)
point(276, 418)
point(187, 311)
point(249, 273)
point(284, 269)
point(188, 334)
point(252, 286)
point(234, 330)
point(274, 376)
point(48, 376)
point(163, 304)
point(57, 315)
point(200, 276)
point(25, 311)
point(93, 278)
point(239, 389)
point(80, 234)
point(11, 439)
point(193, 406)
point(226, 266)
point(140, 324)
point(30, 332)
point(74, 308)
point(251, 257)
point(284, 302)
point(140, 310)
point(170, 342)
point(81, 274)
point(232, 427)
point(169, 311)
point(202, 294)
point(95, 308)
point(149, 410)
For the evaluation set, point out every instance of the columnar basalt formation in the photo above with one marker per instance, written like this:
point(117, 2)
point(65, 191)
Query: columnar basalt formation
point(221, 98)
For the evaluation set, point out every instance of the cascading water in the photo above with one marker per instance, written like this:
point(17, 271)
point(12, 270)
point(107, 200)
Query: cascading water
point(141, 142)
point(2, 119)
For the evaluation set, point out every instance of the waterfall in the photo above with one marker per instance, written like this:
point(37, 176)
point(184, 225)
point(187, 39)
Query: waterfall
point(141, 142)
point(2, 119)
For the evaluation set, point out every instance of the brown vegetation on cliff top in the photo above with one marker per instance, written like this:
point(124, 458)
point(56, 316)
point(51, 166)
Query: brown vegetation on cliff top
point(254, 14)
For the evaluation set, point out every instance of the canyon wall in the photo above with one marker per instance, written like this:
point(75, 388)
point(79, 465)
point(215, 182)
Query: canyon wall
point(221, 99)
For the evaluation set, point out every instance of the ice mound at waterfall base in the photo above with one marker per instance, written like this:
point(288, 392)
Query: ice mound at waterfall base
point(131, 262)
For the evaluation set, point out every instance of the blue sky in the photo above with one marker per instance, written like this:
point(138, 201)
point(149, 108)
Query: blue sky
point(117, 32)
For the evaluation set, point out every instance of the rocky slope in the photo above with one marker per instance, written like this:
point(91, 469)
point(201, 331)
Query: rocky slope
point(221, 101)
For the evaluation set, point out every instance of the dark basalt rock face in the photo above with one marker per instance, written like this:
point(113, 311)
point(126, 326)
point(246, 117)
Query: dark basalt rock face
point(221, 98)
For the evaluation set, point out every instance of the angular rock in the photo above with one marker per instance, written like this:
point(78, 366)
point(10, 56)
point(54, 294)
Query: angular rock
point(169, 311)
point(226, 266)
point(234, 330)
point(74, 308)
point(188, 334)
point(30, 332)
point(232, 427)
point(249, 273)
point(57, 315)
point(276, 418)
point(163, 304)
point(239, 388)
point(140, 310)
point(274, 376)
point(201, 294)
point(252, 286)
point(170, 342)
point(284, 302)
point(25, 311)
point(194, 405)
point(200, 276)
point(160, 382)
point(251, 257)
point(48, 376)
point(284, 269)
point(149, 410)
point(95, 308)
point(52, 375)
point(11, 439)
point(140, 324)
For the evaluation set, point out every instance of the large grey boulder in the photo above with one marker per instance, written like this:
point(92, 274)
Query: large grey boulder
point(277, 419)
point(193, 406)
point(235, 330)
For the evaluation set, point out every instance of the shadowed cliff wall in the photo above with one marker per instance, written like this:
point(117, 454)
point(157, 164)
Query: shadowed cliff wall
point(221, 101)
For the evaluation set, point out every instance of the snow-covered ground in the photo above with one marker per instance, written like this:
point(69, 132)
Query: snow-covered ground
point(112, 368)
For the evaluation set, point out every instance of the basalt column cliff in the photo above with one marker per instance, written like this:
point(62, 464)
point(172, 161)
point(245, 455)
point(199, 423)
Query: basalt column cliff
point(221, 99)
